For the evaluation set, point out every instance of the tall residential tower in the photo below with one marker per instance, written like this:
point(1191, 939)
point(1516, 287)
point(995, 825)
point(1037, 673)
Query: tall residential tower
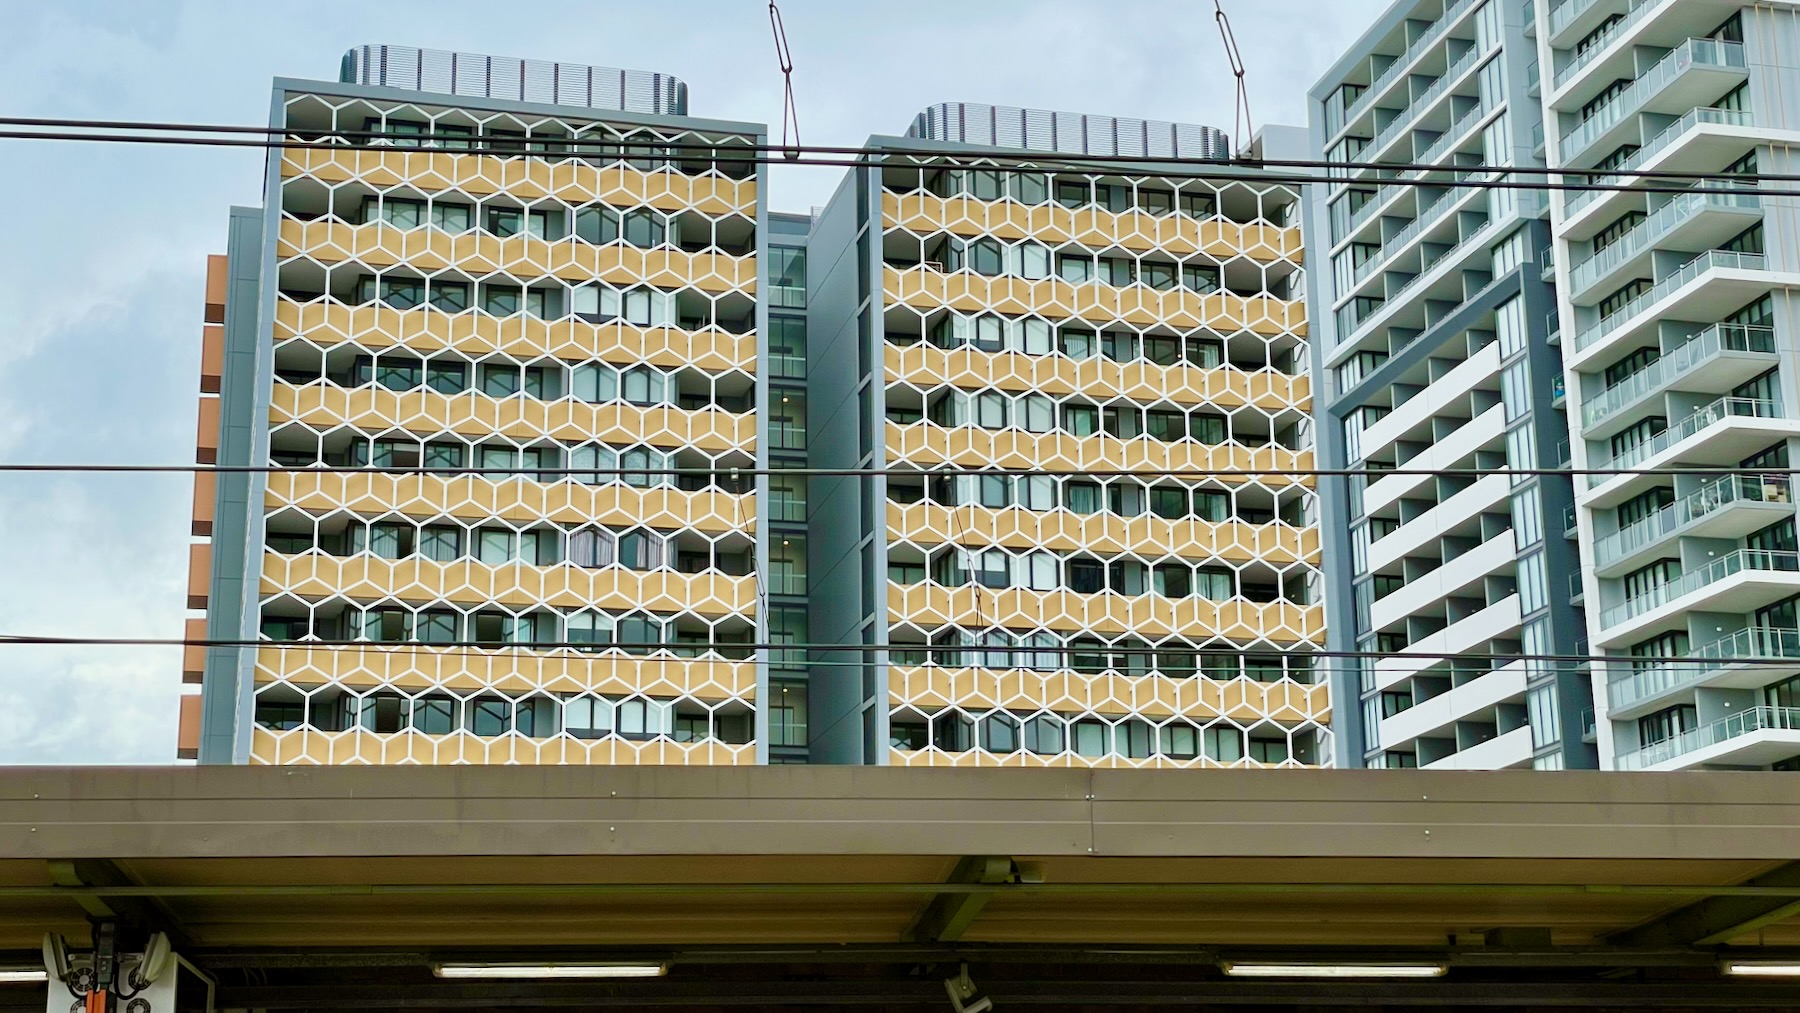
point(1433, 302)
point(536, 268)
point(1680, 322)
point(555, 285)
point(1059, 322)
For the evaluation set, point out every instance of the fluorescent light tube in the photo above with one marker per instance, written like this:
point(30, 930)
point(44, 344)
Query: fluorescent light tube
point(550, 970)
point(1763, 968)
point(1335, 970)
point(22, 975)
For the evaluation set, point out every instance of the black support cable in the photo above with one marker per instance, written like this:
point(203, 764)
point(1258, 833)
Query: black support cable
point(923, 471)
point(1066, 650)
point(958, 157)
point(881, 158)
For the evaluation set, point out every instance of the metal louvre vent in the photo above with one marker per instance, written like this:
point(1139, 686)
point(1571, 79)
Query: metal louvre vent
point(1075, 133)
point(442, 72)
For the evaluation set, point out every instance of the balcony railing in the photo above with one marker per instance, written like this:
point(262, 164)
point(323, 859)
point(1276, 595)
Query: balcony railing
point(1418, 106)
point(1566, 12)
point(1709, 498)
point(1432, 36)
point(1738, 725)
point(1653, 680)
point(1705, 114)
point(1741, 561)
point(1428, 216)
point(1701, 418)
point(1678, 360)
point(1600, 43)
point(1722, 259)
point(1708, 52)
point(1645, 234)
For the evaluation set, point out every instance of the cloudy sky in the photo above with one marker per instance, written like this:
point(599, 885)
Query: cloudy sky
point(103, 247)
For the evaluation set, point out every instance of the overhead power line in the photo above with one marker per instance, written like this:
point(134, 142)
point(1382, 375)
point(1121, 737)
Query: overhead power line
point(927, 471)
point(849, 157)
point(1062, 651)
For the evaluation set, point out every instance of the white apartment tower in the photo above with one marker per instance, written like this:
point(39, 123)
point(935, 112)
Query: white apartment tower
point(1434, 355)
point(1679, 321)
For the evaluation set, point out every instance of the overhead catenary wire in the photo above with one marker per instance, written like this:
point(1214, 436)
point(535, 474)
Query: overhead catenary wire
point(1243, 128)
point(784, 59)
point(376, 140)
point(883, 157)
point(918, 471)
point(1062, 650)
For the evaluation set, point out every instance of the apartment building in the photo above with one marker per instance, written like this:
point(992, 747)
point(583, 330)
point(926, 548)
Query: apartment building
point(1062, 322)
point(536, 270)
point(1679, 314)
point(1436, 308)
point(556, 285)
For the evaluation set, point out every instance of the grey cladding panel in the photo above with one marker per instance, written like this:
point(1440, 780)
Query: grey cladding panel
point(1075, 133)
point(442, 72)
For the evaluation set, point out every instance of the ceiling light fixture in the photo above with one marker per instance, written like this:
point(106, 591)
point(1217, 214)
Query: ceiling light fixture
point(549, 970)
point(1762, 968)
point(1335, 970)
point(22, 975)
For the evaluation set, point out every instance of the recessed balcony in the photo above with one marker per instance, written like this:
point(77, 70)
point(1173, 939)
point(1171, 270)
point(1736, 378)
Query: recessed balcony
point(1731, 506)
point(1701, 219)
point(1753, 737)
point(1702, 140)
point(1712, 361)
point(1692, 74)
point(1740, 581)
point(1742, 661)
point(1702, 418)
point(1713, 285)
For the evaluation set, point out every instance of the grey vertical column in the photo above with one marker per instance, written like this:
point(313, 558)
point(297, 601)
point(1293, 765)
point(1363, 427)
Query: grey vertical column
point(1349, 737)
point(1562, 558)
point(228, 685)
point(764, 632)
point(841, 296)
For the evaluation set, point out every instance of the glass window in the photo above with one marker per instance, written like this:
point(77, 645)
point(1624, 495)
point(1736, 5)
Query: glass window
point(1158, 276)
point(450, 296)
point(1080, 420)
point(1075, 268)
point(500, 379)
point(444, 455)
point(587, 717)
point(1213, 583)
point(1174, 580)
point(496, 545)
point(1000, 733)
point(447, 377)
point(441, 542)
point(1179, 741)
point(1044, 735)
point(504, 221)
point(787, 277)
point(1084, 497)
point(589, 631)
point(452, 217)
point(1225, 743)
point(1077, 343)
point(502, 300)
point(490, 716)
point(434, 715)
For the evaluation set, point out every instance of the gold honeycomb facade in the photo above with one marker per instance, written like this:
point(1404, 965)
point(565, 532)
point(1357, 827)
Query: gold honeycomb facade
point(527, 378)
point(505, 296)
point(1063, 338)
